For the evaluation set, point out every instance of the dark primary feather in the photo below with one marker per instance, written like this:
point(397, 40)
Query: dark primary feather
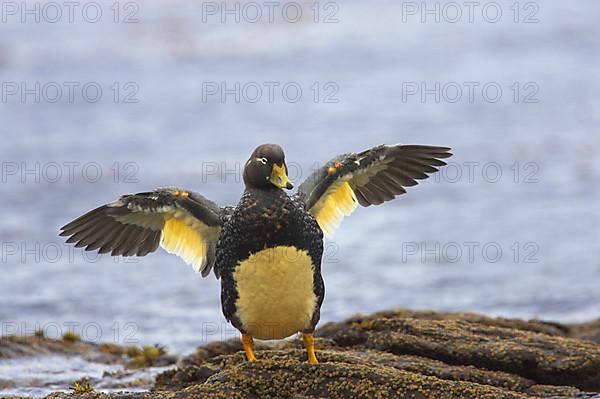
point(375, 175)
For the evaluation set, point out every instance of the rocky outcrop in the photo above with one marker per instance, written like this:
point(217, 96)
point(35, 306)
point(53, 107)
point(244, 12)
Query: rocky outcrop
point(130, 356)
point(403, 354)
point(398, 354)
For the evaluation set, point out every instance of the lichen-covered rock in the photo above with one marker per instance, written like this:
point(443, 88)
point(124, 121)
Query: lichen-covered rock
point(286, 374)
point(544, 358)
point(20, 346)
point(589, 331)
point(130, 356)
point(402, 354)
point(395, 354)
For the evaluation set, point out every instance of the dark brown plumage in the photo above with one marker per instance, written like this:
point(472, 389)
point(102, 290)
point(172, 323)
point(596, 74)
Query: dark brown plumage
point(266, 221)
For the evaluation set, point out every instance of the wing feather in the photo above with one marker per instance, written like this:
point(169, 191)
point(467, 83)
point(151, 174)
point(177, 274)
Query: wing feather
point(110, 238)
point(339, 202)
point(360, 196)
point(120, 246)
point(371, 177)
point(183, 223)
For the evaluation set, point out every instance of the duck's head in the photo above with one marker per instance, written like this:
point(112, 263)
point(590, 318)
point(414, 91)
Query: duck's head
point(266, 168)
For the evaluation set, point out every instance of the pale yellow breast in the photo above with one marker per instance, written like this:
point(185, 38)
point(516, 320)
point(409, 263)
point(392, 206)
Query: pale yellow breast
point(275, 289)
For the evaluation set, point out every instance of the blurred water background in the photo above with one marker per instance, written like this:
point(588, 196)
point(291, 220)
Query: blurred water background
point(541, 212)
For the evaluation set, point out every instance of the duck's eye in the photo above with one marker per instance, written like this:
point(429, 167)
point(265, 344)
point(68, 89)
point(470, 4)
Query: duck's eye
point(263, 160)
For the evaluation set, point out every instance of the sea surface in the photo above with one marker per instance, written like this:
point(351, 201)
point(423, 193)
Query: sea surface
point(509, 228)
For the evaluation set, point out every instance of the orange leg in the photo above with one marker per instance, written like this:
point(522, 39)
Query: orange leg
point(309, 344)
point(248, 345)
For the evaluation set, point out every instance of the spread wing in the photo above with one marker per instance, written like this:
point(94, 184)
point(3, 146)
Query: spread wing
point(371, 177)
point(182, 222)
